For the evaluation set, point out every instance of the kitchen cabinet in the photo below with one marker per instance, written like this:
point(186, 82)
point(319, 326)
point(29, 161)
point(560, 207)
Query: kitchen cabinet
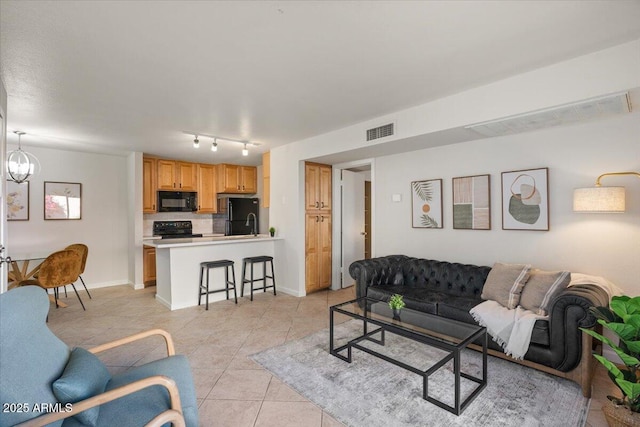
point(176, 175)
point(317, 186)
point(237, 179)
point(317, 251)
point(149, 185)
point(266, 179)
point(207, 195)
point(148, 265)
point(317, 227)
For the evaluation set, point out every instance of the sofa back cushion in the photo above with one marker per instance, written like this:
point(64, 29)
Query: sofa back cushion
point(505, 282)
point(445, 277)
point(541, 289)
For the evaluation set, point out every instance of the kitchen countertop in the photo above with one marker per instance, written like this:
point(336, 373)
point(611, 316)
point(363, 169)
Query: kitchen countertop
point(208, 240)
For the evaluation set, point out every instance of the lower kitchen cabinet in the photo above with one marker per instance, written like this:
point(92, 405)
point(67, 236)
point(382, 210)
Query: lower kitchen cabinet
point(148, 266)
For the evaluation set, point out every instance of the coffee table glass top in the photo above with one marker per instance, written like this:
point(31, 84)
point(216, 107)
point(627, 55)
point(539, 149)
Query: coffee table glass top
point(446, 330)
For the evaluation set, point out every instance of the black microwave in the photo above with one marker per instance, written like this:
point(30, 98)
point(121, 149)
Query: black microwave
point(177, 201)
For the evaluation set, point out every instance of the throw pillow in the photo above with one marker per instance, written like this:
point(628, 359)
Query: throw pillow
point(505, 282)
point(541, 288)
point(84, 376)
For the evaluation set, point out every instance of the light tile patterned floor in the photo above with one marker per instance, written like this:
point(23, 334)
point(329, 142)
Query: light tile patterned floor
point(232, 390)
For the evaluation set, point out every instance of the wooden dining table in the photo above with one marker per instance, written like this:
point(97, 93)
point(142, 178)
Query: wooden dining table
point(25, 266)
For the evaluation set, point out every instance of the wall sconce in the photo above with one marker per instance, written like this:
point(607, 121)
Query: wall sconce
point(601, 199)
point(20, 164)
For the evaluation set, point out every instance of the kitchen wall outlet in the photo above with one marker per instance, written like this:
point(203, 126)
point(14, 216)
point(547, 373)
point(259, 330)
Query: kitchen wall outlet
point(396, 198)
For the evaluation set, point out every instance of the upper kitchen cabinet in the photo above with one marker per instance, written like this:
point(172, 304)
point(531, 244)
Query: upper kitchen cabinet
point(149, 185)
point(207, 196)
point(317, 186)
point(237, 179)
point(176, 175)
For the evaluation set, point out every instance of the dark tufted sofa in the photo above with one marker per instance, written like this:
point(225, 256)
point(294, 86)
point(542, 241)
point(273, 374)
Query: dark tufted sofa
point(451, 290)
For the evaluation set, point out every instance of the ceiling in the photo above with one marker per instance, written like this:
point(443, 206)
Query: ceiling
point(116, 77)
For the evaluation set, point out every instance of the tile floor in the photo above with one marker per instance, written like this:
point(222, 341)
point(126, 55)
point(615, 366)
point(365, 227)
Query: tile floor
point(232, 390)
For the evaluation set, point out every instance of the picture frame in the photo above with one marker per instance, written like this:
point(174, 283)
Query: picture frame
point(525, 200)
point(62, 200)
point(472, 202)
point(426, 204)
point(17, 201)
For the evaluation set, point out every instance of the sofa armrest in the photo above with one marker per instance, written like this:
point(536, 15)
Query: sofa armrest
point(375, 271)
point(570, 312)
point(114, 394)
point(136, 337)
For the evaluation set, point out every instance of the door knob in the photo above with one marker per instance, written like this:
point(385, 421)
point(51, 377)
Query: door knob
point(364, 233)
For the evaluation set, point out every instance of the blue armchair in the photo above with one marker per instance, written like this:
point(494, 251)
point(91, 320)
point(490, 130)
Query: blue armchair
point(43, 382)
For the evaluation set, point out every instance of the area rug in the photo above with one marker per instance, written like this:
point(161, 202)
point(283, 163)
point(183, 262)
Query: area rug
point(372, 392)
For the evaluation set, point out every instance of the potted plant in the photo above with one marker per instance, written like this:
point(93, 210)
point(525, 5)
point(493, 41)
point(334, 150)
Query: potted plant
point(623, 319)
point(272, 231)
point(396, 303)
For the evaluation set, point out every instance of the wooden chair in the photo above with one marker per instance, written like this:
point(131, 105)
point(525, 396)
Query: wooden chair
point(83, 251)
point(58, 270)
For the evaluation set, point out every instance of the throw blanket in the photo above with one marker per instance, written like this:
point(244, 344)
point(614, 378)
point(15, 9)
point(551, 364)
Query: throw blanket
point(511, 329)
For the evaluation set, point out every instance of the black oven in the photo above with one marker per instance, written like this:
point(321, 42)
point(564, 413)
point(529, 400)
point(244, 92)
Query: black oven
point(177, 201)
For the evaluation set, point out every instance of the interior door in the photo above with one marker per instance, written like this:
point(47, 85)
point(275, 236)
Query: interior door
point(3, 215)
point(352, 222)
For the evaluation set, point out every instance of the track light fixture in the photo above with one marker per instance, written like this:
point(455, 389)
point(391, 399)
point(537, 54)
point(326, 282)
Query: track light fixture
point(214, 145)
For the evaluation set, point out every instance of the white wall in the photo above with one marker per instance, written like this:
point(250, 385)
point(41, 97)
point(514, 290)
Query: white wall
point(600, 73)
point(104, 224)
point(606, 245)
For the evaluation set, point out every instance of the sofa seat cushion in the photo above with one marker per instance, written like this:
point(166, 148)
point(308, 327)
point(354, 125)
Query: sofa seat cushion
point(139, 408)
point(420, 299)
point(457, 308)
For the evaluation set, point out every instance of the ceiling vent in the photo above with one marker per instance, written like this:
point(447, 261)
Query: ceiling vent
point(380, 132)
point(589, 109)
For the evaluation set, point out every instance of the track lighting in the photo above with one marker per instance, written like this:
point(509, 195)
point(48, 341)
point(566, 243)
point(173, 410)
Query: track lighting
point(214, 145)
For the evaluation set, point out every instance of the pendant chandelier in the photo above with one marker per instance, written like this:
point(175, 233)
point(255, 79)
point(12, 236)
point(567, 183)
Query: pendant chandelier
point(21, 165)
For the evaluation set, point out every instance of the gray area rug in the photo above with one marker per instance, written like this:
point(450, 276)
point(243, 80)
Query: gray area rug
point(371, 392)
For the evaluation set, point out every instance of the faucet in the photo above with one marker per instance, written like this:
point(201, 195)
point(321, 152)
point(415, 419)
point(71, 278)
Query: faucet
point(255, 223)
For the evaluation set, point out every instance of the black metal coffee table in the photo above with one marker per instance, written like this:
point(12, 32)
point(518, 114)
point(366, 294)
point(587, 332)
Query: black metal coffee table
point(445, 334)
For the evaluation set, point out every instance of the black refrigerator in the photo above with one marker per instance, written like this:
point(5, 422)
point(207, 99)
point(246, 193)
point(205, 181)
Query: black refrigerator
point(237, 211)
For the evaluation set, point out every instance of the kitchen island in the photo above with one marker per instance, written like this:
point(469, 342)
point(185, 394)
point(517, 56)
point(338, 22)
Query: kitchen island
point(178, 265)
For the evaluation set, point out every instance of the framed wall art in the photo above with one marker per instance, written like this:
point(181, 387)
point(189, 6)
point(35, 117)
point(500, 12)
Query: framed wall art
point(426, 204)
point(525, 200)
point(471, 203)
point(62, 200)
point(17, 201)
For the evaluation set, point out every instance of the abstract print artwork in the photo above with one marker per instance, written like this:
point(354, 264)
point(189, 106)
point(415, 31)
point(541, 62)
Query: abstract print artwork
point(17, 201)
point(426, 204)
point(62, 200)
point(471, 203)
point(525, 200)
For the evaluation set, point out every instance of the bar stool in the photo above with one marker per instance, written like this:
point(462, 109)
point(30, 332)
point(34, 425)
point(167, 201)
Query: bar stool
point(204, 288)
point(255, 260)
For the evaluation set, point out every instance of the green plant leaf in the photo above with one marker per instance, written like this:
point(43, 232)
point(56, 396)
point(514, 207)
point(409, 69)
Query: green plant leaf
point(596, 335)
point(631, 390)
point(633, 320)
point(612, 368)
point(427, 221)
point(633, 346)
point(626, 359)
point(423, 190)
point(604, 313)
point(624, 331)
